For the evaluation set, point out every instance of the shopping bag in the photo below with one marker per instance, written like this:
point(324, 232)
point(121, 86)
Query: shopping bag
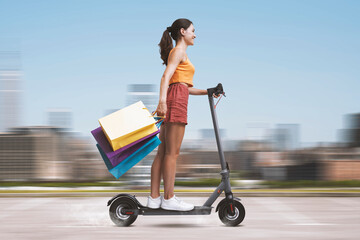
point(132, 160)
point(128, 125)
point(106, 147)
point(115, 157)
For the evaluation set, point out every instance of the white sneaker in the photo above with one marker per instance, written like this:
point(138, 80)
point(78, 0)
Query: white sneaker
point(176, 204)
point(154, 202)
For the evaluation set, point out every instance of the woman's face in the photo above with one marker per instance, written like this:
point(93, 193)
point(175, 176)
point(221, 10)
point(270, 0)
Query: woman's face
point(189, 35)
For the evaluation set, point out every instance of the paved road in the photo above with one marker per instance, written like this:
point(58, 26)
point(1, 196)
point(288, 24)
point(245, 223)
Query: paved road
point(266, 218)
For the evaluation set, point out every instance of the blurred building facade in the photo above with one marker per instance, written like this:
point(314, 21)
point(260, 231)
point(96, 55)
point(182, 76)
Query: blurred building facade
point(331, 163)
point(47, 154)
point(51, 154)
point(259, 160)
point(32, 153)
point(340, 163)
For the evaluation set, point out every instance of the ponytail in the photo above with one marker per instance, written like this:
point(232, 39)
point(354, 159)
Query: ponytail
point(166, 43)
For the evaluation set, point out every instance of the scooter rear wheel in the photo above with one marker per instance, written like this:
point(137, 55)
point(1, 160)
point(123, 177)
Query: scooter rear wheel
point(117, 217)
point(226, 217)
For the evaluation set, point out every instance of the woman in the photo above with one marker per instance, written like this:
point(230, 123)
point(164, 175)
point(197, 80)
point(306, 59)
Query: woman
point(175, 87)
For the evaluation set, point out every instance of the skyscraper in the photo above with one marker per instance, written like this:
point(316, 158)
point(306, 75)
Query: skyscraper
point(286, 137)
point(351, 134)
point(10, 90)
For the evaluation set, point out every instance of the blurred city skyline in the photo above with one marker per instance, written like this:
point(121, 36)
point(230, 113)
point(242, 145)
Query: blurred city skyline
point(280, 62)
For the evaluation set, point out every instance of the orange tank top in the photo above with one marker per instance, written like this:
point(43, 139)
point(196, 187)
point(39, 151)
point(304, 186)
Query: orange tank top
point(183, 73)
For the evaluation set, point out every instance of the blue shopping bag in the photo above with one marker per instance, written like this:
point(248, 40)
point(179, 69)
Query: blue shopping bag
point(132, 160)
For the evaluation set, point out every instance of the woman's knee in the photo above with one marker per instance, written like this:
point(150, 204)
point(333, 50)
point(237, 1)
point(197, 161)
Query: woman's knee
point(173, 155)
point(161, 151)
point(159, 157)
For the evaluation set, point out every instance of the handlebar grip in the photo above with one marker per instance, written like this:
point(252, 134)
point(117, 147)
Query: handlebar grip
point(216, 90)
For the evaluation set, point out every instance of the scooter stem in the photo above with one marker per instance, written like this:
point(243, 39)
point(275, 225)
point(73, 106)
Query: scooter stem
point(217, 90)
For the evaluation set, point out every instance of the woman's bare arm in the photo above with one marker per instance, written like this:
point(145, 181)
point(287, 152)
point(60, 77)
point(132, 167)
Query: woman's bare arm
point(194, 91)
point(174, 59)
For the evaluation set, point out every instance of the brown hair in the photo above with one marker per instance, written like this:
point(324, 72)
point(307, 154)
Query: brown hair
point(166, 43)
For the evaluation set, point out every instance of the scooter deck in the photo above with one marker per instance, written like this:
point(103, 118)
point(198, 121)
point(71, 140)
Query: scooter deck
point(198, 210)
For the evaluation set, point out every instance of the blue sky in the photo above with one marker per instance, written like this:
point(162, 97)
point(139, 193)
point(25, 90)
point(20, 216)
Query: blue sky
point(279, 61)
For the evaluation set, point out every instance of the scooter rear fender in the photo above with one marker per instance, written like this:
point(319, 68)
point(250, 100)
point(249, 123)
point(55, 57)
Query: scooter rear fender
point(124, 195)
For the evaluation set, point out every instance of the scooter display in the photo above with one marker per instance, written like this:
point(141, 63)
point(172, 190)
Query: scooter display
point(125, 208)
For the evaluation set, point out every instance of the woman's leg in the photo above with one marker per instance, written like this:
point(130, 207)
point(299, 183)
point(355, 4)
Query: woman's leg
point(174, 136)
point(157, 165)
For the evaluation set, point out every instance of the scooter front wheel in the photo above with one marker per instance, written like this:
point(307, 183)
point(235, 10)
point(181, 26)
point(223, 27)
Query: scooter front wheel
point(227, 218)
point(115, 211)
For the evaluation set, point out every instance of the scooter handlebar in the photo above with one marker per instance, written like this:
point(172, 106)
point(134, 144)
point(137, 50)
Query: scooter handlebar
point(216, 90)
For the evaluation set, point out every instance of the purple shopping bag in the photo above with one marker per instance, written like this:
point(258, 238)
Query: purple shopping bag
point(121, 154)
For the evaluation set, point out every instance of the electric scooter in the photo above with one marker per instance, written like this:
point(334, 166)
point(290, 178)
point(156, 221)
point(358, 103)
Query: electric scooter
point(125, 208)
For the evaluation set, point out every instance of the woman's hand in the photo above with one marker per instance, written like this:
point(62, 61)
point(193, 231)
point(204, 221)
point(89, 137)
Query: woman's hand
point(216, 96)
point(161, 109)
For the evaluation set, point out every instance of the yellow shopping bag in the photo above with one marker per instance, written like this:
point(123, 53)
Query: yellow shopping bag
point(128, 125)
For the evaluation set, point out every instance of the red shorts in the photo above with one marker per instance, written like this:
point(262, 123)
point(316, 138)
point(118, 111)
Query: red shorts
point(177, 101)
